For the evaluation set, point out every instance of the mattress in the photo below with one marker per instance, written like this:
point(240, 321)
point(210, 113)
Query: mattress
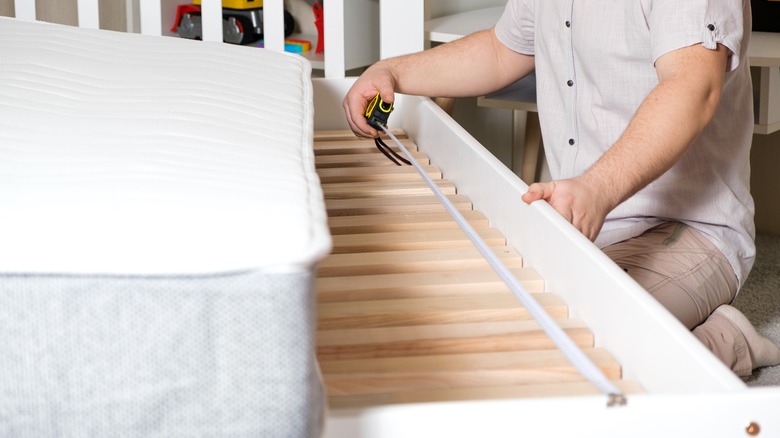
point(162, 222)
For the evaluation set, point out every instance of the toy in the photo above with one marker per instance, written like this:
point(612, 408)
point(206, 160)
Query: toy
point(296, 45)
point(291, 45)
point(316, 7)
point(242, 21)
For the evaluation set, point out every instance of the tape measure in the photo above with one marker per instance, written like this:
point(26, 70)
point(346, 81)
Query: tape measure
point(377, 112)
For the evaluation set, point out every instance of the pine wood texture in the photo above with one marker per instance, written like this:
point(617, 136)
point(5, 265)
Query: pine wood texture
point(409, 311)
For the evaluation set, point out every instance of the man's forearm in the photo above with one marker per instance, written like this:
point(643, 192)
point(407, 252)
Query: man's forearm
point(470, 66)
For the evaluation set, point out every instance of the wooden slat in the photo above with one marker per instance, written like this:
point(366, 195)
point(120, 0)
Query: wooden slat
point(357, 146)
point(433, 339)
point(383, 188)
point(365, 376)
point(388, 262)
point(382, 223)
point(371, 174)
point(407, 204)
point(363, 160)
point(419, 311)
point(382, 335)
point(473, 282)
point(407, 240)
point(345, 134)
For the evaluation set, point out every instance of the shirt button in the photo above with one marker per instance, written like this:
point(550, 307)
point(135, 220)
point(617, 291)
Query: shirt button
point(568, 23)
point(570, 82)
point(571, 141)
point(711, 27)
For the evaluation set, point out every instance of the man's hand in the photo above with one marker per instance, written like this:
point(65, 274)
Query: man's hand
point(578, 200)
point(376, 79)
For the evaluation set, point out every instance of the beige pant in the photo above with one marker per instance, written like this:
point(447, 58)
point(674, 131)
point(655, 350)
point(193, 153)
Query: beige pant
point(689, 276)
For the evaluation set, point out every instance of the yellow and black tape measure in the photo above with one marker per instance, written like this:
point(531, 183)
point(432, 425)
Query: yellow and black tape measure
point(377, 112)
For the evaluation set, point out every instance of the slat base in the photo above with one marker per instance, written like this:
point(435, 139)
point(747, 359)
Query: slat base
point(408, 311)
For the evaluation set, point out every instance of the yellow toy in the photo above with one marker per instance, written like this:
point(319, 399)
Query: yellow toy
point(242, 21)
point(238, 4)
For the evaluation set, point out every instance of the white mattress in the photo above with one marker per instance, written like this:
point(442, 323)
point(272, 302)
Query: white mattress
point(127, 154)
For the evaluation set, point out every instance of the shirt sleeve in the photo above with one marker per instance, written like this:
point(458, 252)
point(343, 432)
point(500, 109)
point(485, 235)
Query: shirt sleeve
point(675, 24)
point(515, 28)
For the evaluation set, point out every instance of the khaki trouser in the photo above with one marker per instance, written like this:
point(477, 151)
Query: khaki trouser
point(689, 276)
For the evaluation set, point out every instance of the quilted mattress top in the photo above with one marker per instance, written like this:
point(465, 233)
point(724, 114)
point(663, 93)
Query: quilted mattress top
point(130, 154)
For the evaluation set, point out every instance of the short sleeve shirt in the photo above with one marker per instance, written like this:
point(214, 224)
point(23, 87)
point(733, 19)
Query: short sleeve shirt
point(595, 64)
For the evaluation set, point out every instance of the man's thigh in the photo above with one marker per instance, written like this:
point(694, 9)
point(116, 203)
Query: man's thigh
point(678, 266)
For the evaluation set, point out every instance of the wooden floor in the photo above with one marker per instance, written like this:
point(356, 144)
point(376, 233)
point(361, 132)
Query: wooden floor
point(409, 311)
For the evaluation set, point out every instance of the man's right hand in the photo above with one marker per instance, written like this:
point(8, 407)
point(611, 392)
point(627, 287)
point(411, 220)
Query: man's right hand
point(377, 79)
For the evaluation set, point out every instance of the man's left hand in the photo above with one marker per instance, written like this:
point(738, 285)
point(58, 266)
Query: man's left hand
point(576, 199)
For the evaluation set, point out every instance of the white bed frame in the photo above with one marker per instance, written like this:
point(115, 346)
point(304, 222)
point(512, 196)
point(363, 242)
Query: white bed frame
point(688, 391)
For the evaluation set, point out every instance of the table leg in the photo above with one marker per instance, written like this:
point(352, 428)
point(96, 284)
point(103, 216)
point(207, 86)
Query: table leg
point(528, 162)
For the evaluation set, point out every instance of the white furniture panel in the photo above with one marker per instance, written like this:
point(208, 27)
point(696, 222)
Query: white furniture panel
point(24, 9)
point(401, 28)
point(88, 14)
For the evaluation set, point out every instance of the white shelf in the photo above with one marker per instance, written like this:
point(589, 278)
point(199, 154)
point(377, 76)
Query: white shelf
point(764, 49)
point(353, 27)
point(451, 27)
point(317, 60)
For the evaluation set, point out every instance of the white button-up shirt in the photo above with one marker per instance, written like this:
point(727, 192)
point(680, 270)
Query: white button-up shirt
point(595, 65)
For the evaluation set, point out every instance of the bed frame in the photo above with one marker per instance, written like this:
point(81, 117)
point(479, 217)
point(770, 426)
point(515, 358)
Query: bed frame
point(688, 391)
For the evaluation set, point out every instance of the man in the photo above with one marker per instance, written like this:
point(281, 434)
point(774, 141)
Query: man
point(646, 113)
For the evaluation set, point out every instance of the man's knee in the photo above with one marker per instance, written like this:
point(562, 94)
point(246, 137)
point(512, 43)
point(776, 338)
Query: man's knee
point(683, 270)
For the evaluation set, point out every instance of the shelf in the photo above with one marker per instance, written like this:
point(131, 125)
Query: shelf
point(764, 49)
point(354, 32)
point(451, 27)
